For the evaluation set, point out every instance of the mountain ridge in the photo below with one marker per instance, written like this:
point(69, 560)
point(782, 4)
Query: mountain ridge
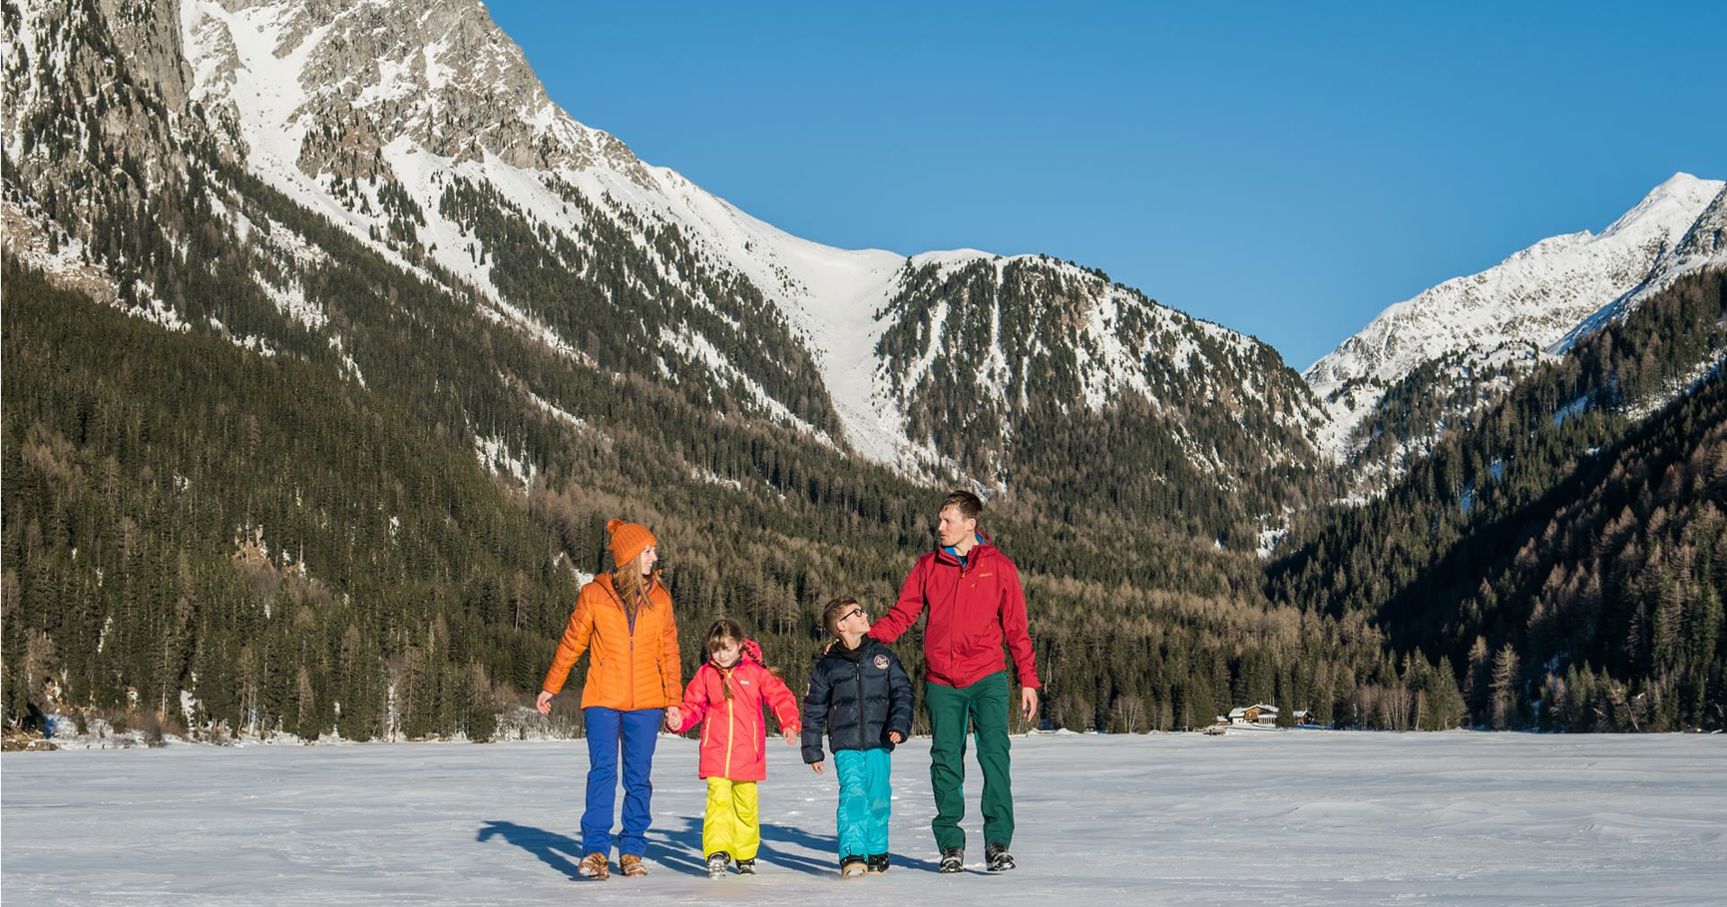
point(1531, 305)
point(369, 114)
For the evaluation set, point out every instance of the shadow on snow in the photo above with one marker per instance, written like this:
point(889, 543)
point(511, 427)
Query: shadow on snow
point(681, 849)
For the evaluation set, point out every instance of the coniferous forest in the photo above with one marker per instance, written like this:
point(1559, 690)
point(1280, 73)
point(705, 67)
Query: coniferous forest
point(204, 539)
point(1567, 552)
point(297, 553)
point(264, 476)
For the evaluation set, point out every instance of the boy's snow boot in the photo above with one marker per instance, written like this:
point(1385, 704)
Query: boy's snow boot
point(853, 868)
point(998, 858)
point(717, 862)
point(747, 867)
point(877, 864)
point(632, 865)
point(594, 866)
point(953, 859)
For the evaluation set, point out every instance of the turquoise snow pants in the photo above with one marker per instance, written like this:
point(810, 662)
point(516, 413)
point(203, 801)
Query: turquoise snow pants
point(866, 800)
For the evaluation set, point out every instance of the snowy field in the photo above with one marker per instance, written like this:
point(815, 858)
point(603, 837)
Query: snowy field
point(1286, 818)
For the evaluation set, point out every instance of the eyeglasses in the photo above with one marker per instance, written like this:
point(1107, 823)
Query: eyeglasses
point(851, 614)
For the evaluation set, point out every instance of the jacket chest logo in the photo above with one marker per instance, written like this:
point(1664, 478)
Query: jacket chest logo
point(880, 661)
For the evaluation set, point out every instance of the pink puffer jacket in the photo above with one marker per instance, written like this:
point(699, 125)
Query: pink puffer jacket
point(734, 731)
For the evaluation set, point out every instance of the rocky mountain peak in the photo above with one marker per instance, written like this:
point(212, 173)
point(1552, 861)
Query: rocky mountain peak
point(1507, 317)
point(1671, 206)
point(331, 84)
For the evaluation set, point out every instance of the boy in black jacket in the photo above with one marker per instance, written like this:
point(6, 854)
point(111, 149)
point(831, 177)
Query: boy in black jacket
point(860, 694)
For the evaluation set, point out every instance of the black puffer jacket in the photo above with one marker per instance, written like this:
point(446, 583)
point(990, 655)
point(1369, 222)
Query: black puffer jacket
point(857, 696)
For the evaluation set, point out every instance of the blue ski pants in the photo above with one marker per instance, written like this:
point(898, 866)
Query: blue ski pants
point(866, 800)
point(634, 733)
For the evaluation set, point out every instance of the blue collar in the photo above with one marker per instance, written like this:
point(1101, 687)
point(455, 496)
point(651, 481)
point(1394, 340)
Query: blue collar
point(953, 552)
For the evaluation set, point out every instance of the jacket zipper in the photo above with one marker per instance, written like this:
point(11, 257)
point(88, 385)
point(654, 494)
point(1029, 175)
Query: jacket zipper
point(659, 665)
point(954, 616)
point(731, 725)
point(857, 674)
point(629, 630)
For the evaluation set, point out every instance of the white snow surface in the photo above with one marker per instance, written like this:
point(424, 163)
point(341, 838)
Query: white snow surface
point(1260, 817)
point(1526, 306)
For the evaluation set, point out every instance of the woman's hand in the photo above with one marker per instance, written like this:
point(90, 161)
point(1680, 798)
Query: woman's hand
point(674, 719)
point(544, 703)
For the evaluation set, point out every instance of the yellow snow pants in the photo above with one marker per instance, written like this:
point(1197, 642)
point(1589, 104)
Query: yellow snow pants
point(731, 823)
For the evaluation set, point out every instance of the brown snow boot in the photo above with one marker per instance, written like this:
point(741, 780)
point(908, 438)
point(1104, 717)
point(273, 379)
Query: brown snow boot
point(594, 866)
point(632, 865)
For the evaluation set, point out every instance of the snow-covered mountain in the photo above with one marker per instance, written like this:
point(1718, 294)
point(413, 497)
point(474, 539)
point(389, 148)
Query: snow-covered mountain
point(420, 130)
point(1476, 331)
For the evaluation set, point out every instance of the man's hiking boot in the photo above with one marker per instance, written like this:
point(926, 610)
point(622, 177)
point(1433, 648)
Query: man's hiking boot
point(853, 868)
point(594, 866)
point(998, 858)
point(877, 864)
point(717, 863)
point(953, 859)
point(632, 865)
point(747, 867)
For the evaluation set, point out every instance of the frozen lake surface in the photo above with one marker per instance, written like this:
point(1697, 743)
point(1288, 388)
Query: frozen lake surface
point(1305, 817)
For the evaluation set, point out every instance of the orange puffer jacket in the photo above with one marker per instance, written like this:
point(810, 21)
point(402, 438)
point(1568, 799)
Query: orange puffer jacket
point(626, 670)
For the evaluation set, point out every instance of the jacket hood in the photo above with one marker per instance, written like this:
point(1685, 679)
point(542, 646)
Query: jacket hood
point(839, 651)
point(750, 650)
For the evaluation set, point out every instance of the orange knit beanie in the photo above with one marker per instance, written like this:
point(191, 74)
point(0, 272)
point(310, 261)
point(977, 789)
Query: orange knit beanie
point(628, 540)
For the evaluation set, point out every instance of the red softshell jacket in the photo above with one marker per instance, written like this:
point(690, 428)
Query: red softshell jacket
point(972, 610)
point(735, 734)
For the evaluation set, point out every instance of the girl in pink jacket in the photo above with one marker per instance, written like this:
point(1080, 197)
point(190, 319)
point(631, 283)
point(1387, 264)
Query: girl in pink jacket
point(726, 696)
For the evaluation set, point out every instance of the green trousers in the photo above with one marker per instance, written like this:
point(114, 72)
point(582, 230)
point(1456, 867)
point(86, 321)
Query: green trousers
point(984, 706)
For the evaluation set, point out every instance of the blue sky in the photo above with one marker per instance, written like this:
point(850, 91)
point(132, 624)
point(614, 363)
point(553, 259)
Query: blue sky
point(1286, 170)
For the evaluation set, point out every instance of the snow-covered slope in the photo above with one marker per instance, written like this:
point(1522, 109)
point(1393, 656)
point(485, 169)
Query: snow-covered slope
point(330, 106)
point(1534, 303)
point(263, 63)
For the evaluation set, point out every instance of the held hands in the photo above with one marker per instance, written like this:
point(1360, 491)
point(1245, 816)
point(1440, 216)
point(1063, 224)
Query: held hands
point(1028, 702)
point(674, 719)
point(544, 703)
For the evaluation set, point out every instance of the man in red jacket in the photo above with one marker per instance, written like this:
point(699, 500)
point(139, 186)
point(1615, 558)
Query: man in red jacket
point(975, 603)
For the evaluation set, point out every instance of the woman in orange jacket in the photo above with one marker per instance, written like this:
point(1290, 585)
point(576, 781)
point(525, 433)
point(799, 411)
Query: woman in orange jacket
point(624, 621)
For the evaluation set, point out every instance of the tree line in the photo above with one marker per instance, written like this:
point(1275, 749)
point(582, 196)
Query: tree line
point(1566, 550)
